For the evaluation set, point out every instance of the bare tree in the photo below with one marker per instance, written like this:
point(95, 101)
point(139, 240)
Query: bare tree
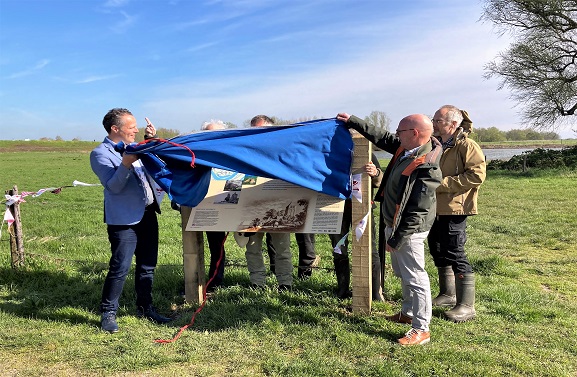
point(539, 67)
point(379, 119)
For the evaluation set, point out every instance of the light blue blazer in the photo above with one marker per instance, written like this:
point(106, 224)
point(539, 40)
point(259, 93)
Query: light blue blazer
point(124, 198)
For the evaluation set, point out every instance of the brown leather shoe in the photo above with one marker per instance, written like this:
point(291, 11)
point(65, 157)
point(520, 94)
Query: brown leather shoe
point(399, 318)
point(415, 337)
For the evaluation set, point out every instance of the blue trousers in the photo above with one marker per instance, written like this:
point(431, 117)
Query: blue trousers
point(139, 240)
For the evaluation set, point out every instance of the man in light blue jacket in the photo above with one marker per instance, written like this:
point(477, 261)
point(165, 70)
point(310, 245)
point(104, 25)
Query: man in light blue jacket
point(130, 214)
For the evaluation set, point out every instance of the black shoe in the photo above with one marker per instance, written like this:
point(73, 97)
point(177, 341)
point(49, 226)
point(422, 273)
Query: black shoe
point(304, 274)
point(214, 285)
point(151, 314)
point(256, 287)
point(284, 288)
point(344, 294)
point(108, 322)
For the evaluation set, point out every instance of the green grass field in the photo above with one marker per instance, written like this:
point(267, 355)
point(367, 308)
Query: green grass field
point(529, 144)
point(523, 247)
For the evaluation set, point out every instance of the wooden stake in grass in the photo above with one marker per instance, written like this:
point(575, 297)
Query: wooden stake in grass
point(16, 241)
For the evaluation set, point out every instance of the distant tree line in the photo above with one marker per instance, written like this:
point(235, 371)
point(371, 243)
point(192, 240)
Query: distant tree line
point(378, 118)
point(493, 134)
point(161, 133)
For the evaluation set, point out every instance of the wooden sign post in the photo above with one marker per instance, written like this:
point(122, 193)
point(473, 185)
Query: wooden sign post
point(361, 249)
point(193, 258)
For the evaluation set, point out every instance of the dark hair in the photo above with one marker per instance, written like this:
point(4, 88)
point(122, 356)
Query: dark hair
point(264, 118)
point(114, 118)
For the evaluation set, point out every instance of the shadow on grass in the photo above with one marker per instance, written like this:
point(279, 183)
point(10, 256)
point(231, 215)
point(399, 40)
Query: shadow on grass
point(71, 294)
point(43, 294)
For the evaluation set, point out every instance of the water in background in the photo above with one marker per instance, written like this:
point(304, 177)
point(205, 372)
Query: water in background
point(490, 154)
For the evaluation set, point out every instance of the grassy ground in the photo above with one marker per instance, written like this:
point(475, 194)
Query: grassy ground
point(523, 248)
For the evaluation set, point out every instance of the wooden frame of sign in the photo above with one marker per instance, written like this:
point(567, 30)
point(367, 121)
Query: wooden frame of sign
point(193, 242)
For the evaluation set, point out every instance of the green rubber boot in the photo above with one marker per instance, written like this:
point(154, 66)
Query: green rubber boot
point(447, 294)
point(465, 308)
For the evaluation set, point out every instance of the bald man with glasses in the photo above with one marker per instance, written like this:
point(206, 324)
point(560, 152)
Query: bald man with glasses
point(407, 196)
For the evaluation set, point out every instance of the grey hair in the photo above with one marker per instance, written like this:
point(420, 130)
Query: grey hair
point(216, 123)
point(453, 114)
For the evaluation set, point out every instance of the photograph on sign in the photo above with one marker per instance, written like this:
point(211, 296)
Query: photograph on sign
point(247, 203)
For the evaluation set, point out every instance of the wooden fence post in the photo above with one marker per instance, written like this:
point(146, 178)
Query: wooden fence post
point(524, 163)
point(361, 250)
point(16, 240)
point(193, 259)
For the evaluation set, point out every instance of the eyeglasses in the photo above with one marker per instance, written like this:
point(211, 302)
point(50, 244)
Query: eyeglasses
point(397, 132)
point(438, 120)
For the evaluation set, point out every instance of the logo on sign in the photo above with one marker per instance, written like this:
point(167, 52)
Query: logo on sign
point(225, 175)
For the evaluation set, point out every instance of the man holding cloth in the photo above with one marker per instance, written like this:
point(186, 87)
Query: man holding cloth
point(130, 211)
point(407, 196)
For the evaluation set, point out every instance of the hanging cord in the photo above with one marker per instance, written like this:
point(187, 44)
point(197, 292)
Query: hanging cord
point(164, 341)
point(171, 143)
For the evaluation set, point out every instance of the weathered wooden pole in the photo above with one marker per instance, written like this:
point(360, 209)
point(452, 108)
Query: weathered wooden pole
point(361, 249)
point(16, 240)
point(193, 259)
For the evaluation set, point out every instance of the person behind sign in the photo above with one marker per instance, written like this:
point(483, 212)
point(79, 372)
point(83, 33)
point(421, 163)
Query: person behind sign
point(265, 121)
point(407, 196)
point(341, 255)
point(215, 239)
point(305, 241)
point(130, 211)
point(464, 170)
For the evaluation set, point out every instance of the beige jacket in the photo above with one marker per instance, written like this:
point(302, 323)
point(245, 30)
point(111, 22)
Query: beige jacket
point(464, 170)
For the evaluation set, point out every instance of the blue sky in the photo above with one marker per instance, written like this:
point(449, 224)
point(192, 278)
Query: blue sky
point(64, 64)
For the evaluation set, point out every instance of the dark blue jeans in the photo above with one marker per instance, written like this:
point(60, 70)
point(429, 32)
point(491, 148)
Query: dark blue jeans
point(215, 245)
point(447, 240)
point(139, 240)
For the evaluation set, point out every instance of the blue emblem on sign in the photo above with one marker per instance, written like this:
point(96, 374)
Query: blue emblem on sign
point(225, 175)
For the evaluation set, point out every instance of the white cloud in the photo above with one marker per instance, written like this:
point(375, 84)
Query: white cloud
point(124, 24)
point(30, 71)
point(115, 3)
point(201, 47)
point(96, 78)
point(418, 76)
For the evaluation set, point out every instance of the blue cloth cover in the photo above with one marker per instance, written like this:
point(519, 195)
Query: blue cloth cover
point(316, 155)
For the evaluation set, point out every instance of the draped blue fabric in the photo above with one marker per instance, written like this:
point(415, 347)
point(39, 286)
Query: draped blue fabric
point(316, 155)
